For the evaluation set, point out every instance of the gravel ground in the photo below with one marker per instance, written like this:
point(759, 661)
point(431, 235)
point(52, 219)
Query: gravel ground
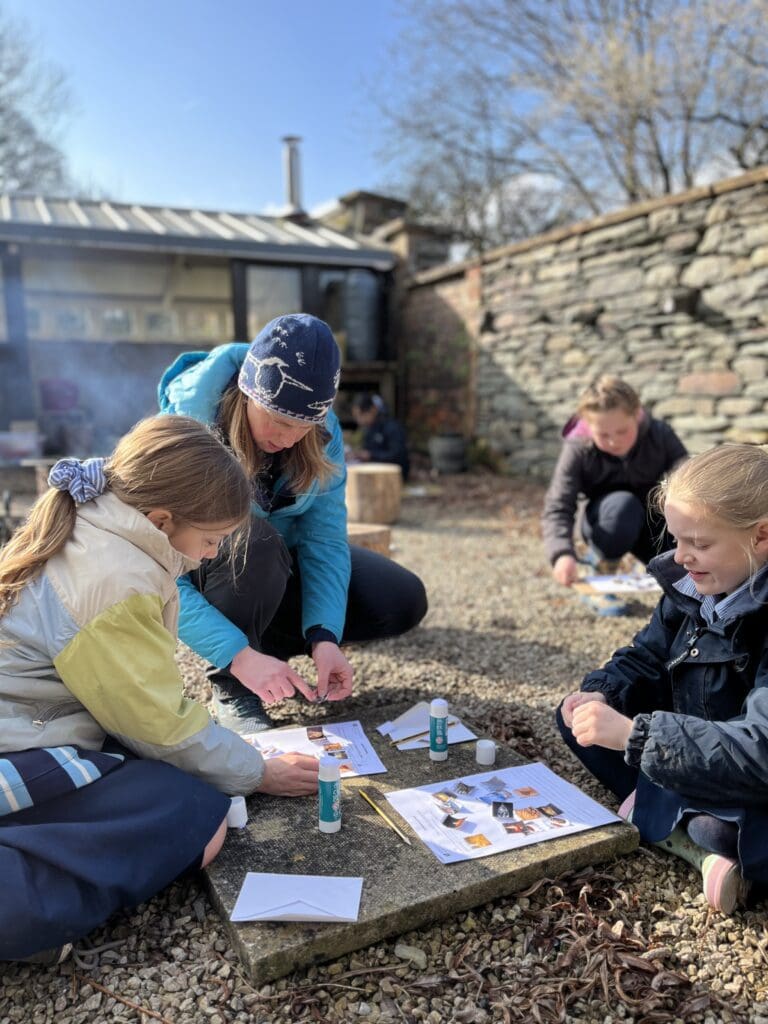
point(629, 941)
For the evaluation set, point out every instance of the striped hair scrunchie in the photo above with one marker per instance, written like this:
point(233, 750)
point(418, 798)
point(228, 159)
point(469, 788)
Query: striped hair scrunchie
point(84, 480)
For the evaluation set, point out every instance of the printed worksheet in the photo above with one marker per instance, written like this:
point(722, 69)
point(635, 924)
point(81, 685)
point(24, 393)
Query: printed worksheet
point(623, 583)
point(346, 741)
point(501, 809)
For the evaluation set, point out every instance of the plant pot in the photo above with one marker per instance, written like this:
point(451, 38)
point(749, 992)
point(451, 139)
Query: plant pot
point(448, 453)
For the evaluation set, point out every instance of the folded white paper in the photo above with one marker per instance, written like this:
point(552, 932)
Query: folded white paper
point(416, 719)
point(268, 897)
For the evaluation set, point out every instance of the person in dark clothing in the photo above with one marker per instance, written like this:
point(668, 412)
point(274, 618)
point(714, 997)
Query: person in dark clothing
point(614, 454)
point(383, 437)
point(676, 724)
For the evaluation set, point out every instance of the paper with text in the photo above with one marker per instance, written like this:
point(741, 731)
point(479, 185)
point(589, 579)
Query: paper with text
point(501, 809)
point(346, 741)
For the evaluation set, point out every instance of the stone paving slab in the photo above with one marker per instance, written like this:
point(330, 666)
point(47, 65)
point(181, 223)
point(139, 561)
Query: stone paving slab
point(404, 887)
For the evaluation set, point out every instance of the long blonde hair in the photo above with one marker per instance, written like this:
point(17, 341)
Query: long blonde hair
point(608, 393)
point(729, 483)
point(304, 463)
point(168, 462)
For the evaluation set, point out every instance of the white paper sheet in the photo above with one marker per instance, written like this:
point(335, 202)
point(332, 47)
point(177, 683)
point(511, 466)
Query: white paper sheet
point(268, 897)
point(623, 583)
point(416, 719)
point(346, 741)
point(501, 809)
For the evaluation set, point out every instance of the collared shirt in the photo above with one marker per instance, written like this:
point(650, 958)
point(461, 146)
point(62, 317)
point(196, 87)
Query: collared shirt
point(712, 606)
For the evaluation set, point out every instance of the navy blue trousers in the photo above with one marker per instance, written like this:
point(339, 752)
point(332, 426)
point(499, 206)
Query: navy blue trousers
point(612, 771)
point(68, 863)
point(619, 522)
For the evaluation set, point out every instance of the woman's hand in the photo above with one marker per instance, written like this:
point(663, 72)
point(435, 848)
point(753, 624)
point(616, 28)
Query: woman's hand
point(566, 570)
point(595, 724)
point(334, 673)
point(574, 700)
point(290, 775)
point(269, 678)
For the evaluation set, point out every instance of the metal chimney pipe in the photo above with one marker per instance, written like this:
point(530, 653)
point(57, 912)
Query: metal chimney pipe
point(292, 174)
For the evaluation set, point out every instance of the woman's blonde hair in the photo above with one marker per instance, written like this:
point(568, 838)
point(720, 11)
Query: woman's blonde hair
point(729, 483)
point(304, 463)
point(607, 393)
point(166, 462)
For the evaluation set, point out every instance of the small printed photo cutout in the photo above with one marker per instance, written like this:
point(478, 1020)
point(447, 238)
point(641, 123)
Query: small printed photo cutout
point(449, 821)
point(345, 769)
point(315, 732)
point(451, 807)
point(550, 810)
point(478, 841)
point(444, 795)
point(494, 784)
point(331, 747)
point(270, 751)
point(527, 791)
point(528, 813)
point(520, 828)
point(502, 809)
point(558, 822)
point(463, 789)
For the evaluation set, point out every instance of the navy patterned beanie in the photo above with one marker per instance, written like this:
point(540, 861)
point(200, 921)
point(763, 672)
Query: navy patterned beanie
point(292, 368)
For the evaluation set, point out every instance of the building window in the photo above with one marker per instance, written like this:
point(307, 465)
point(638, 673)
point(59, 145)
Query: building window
point(271, 291)
point(351, 305)
point(113, 297)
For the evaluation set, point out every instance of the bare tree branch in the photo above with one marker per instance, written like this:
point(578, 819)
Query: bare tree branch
point(33, 98)
point(598, 102)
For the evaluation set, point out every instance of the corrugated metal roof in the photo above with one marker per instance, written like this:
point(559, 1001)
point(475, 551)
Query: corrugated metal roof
point(94, 222)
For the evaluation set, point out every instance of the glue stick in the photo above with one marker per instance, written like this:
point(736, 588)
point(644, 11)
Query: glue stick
point(329, 795)
point(438, 729)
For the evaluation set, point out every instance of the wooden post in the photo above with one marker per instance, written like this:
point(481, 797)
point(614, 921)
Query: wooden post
point(373, 536)
point(374, 490)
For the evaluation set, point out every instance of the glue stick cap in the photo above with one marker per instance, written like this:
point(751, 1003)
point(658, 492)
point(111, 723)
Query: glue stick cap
point(485, 752)
point(329, 768)
point(438, 708)
point(237, 815)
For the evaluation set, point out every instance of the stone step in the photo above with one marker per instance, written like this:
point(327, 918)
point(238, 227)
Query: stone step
point(404, 887)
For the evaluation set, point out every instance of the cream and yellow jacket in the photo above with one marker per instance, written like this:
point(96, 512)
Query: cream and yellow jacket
point(89, 647)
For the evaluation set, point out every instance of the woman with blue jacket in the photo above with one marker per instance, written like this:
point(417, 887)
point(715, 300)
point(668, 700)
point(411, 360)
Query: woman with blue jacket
point(300, 587)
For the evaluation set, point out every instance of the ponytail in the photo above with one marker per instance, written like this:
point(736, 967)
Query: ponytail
point(46, 530)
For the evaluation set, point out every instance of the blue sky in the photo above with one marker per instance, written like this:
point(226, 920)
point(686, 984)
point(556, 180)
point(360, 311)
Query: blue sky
point(185, 101)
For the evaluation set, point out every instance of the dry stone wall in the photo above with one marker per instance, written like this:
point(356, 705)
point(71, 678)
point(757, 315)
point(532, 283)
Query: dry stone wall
point(672, 295)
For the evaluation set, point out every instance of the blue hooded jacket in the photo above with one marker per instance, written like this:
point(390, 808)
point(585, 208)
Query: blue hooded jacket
point(314, 524)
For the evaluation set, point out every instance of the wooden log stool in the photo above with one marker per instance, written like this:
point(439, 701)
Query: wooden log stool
point(374, 490)
point(374, 536)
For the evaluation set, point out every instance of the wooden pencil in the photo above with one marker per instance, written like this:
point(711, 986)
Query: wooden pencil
point(417, 735)
point(384, 815)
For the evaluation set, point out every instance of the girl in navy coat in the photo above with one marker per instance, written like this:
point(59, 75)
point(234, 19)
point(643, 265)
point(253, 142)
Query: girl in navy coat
point(676, 724)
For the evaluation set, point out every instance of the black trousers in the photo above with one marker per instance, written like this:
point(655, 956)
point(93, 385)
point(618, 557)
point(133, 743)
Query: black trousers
point(263, 596)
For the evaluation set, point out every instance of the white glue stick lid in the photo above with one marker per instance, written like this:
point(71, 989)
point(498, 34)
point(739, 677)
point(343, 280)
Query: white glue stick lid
point(237, 815)
point(438, 708)
point(329, 769)
point(485, 752)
